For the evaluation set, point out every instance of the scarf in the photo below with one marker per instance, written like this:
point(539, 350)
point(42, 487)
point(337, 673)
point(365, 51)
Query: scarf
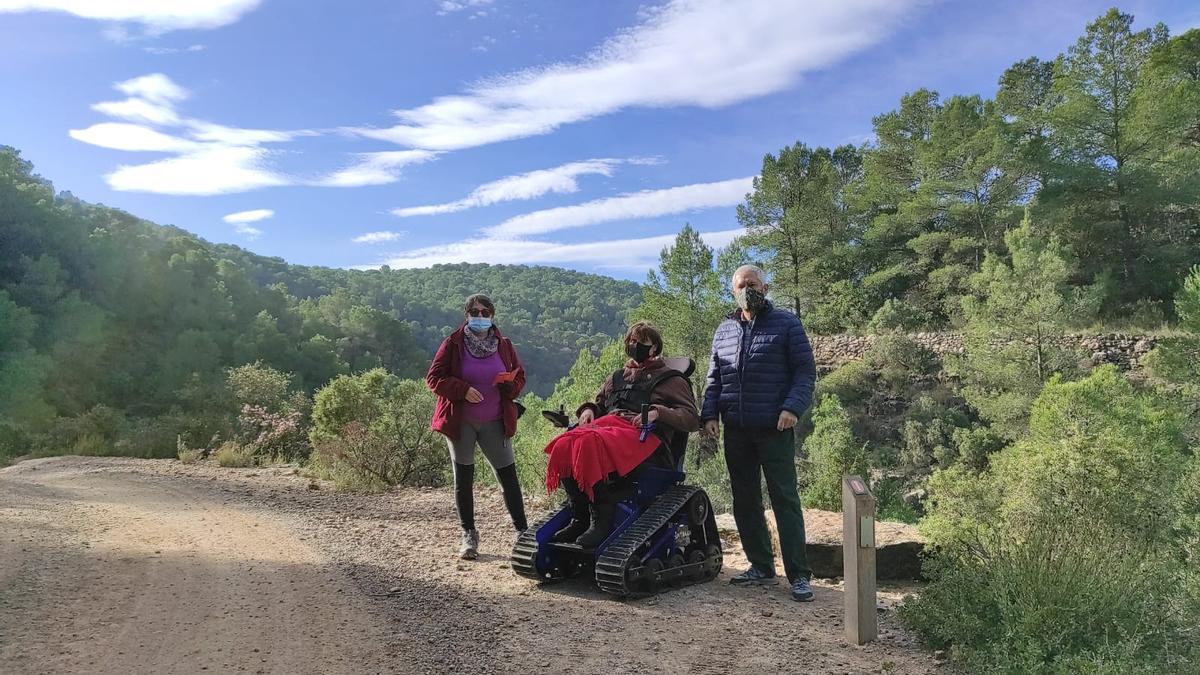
point(635, 371)
point(481, 347)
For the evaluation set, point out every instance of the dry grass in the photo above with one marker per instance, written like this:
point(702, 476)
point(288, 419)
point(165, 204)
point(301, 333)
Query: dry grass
point(232, 454)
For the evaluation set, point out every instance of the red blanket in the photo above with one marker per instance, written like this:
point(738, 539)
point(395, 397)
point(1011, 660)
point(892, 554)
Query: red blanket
point(589, 453)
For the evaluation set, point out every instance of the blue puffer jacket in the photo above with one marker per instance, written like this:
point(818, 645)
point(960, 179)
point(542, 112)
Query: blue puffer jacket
point(758, 369)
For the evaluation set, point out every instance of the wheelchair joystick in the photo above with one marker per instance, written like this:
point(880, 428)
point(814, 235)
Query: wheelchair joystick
point(647, 425)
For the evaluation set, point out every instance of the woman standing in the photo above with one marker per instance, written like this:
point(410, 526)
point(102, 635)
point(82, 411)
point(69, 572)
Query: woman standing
point(477, 376)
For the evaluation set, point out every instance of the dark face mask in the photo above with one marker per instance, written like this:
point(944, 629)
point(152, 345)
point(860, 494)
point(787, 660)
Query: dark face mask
point(751, 299)
point(638, 351)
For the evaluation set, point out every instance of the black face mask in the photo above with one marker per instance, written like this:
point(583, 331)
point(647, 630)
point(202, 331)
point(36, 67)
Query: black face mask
point(638, 351)
point(751, 299)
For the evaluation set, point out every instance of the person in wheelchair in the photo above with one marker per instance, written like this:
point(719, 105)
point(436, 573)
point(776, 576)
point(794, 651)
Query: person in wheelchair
point(591, 460)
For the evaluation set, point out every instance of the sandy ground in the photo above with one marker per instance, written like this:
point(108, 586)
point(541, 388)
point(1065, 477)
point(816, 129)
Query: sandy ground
point(130, 566)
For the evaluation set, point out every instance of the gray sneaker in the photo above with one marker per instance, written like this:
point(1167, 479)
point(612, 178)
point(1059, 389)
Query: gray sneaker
point(801, 590)
point(470, 545)
point(755, 577)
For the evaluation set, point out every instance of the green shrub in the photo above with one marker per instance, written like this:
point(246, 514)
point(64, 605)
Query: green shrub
point(890, 504)
point(851, 382)
point(189, 455)
point(711, 474)
point(256, 384)
point(149, 438)
point(533, 434)
point(1059, 598)
point(371, 431)
point(91, 433)
point(1070, 551)
point(832, 452)
point(14, 441)
point(897, 358)
point(235, 455)
point(976, 444)
point(897, 315)
point(927, 437)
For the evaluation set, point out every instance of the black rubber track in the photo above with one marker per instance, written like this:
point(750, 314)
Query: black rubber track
point(613, 566)
point(525, 551)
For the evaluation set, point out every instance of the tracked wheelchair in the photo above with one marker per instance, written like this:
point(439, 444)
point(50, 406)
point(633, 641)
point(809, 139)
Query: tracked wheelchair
point(664, 532)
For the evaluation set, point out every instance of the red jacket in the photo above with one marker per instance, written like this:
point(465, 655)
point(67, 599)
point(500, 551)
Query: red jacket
point(445, 380)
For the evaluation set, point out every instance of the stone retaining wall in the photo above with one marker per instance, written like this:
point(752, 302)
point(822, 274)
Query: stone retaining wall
point(1126, 351)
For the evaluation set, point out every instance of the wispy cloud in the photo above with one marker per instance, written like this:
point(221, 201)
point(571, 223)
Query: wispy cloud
point(247, 231)
point(212, 170)
point(375, 168)
point(131, 138)
point(377, 237)
point(251, 216)
point(560, 179)
point(157, 16)
point(209, 158)
point(748, 49)
point(174, 50)
point(618, 253)
point(212, 158)
point(647, 204)
point(452, 6)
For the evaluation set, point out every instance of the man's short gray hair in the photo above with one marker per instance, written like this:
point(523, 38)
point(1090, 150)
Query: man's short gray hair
point(746, 270)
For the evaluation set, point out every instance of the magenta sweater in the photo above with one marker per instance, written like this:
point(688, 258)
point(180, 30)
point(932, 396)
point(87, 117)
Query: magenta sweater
point(480, 373)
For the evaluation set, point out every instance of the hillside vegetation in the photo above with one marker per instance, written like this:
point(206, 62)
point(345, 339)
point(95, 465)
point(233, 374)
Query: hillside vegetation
point(115, 331)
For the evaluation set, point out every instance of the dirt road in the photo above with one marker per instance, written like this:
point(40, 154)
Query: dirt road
point(128, 566)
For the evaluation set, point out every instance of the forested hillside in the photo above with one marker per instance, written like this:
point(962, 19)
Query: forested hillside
point(551, 313)
point(130, 325)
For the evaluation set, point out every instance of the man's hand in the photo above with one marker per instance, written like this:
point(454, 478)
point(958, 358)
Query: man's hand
point(473, 395)
point(786, 420)
point(712, 428)
point(652, 414)
point(587, 416)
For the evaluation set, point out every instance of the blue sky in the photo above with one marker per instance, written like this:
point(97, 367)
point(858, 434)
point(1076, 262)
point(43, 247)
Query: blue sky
point(581, 134)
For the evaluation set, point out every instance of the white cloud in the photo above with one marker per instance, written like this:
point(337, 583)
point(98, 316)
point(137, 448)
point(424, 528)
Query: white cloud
point(152, 99)
point(377, 237)
point(174, 50)
point(138, 110)
point(706, 53)
point(217, 133)
point(247, 231)
point(210, 158)
point(251, 216)
point(153, 87)
point(375, 168)
point(560, 179)
point(451, 6)
point(646, 204)
point(215, 169)
point(156, 15)
point(620, 253)
point(131, 138)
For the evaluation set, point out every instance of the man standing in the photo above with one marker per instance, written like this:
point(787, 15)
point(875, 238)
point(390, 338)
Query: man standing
point(760, 380)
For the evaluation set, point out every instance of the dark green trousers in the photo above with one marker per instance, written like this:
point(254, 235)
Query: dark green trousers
point(752, 455)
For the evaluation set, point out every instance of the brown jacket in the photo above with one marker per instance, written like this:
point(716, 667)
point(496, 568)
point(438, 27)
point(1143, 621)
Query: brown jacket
point(672, 398)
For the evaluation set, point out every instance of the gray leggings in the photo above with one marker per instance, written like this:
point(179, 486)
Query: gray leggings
point(489, 436)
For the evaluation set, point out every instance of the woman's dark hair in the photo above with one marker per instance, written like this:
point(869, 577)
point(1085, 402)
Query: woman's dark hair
point(644, 330)
point(479, 299)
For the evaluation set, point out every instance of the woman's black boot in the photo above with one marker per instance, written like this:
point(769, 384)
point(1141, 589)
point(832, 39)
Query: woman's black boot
point(603, 507)
point(580, 518)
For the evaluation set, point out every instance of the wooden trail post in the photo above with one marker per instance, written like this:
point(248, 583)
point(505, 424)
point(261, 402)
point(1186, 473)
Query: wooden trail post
point(858, 560)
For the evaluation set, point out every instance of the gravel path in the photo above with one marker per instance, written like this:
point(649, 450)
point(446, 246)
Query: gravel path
point(132, 566)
